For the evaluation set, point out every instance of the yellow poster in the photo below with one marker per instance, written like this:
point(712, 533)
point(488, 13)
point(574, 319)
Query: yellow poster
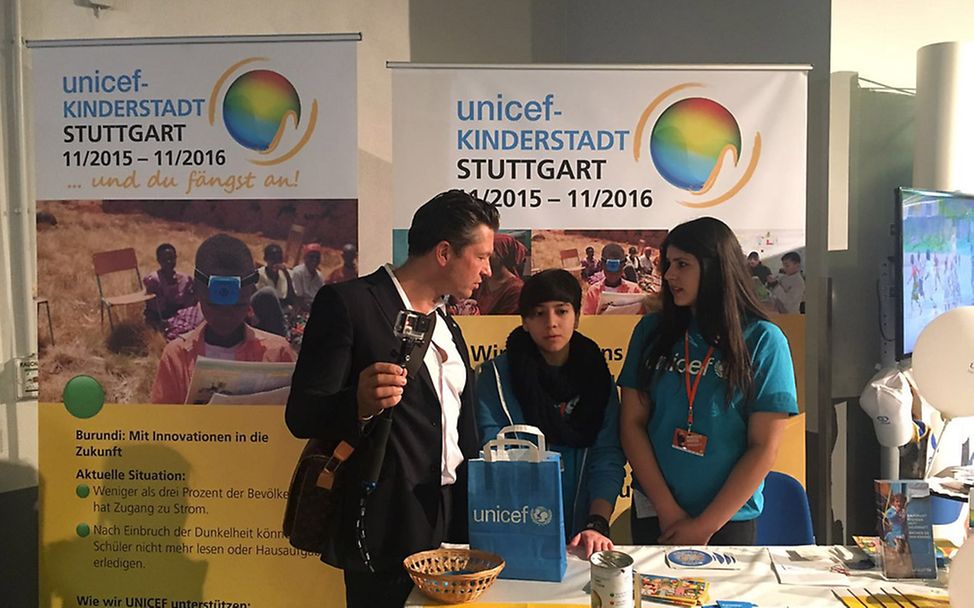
point(175, 506)
point(186, 218)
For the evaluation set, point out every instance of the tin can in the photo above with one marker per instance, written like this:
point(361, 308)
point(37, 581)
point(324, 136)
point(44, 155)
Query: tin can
point(612, 580)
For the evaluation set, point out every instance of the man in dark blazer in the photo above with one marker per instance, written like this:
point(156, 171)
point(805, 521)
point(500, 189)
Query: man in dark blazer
point(345, 377)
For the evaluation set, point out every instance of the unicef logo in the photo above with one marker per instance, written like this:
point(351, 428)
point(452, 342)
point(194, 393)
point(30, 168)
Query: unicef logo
point(257, 105)
point(262, 111)
point(541, 516)
point(692, 141)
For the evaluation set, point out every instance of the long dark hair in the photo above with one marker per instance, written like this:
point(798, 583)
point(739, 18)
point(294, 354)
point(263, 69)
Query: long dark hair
point(725, 304)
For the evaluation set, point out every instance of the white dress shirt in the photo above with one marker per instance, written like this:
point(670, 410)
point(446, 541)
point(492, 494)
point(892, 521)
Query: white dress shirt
point(449, 374)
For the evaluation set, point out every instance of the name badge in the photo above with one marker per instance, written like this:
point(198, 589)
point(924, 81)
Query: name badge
point(689, 442)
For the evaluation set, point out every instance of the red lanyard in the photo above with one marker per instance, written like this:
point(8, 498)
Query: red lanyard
point(692, 391)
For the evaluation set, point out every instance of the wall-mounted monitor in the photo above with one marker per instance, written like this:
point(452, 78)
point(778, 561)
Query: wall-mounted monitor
point(935, 259)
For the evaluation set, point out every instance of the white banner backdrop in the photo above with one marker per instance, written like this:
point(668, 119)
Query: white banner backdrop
point(609, 148)
point(195, 118)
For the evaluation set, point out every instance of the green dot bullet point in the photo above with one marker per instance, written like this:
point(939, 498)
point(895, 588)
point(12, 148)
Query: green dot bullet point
point(82, 491)
point(83, 396)
point(83, 530)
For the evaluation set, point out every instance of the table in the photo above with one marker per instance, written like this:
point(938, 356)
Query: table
point(756, 583)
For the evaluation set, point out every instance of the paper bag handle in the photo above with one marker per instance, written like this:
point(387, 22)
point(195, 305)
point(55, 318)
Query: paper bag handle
point(526, 429)
point(496, 447)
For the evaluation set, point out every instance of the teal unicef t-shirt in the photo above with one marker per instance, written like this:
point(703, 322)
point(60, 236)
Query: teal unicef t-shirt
point(696, 480)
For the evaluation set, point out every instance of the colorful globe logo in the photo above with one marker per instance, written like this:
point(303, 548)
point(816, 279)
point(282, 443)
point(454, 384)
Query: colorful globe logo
point(689, 140)
point(256, 108)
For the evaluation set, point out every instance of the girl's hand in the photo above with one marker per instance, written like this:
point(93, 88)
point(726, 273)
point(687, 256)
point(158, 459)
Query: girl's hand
point(667, 518)
point(690, 531)
point(587, 542)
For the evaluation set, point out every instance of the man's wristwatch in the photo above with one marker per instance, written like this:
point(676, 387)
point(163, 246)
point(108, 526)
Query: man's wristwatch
point(598, 524)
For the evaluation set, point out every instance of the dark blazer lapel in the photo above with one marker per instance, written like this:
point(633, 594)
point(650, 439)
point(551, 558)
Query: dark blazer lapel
point(387, 297)
point(384, 291)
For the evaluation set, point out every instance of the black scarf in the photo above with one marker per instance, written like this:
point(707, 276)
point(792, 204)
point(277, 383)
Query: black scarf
point(543, 390)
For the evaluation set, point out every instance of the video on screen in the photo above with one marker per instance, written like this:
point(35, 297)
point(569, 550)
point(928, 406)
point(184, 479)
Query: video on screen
point(936, 258)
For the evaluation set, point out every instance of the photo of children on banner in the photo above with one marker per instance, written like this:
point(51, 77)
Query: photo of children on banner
point(225, 279)
point(349, 268)
point(554, 378)
point(590, 265)
point(612, 293)
point(173, 311)
point(306, 276)
point(497, 294)
point(631, 269)
point(274, 274)
point(154, 296)
point(707, 388)
point(275, 308)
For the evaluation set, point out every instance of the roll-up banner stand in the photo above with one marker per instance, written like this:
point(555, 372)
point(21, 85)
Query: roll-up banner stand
point(586, 156)
point(164, 457)
point(579, 157)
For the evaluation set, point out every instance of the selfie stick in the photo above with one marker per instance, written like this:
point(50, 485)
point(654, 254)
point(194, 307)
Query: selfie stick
point(383, 425)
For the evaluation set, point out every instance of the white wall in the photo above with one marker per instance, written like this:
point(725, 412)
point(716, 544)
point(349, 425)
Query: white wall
point(879, 38)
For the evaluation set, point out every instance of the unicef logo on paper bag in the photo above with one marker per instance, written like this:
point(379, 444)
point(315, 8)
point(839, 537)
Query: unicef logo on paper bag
point(541, 516)
point(697, 147)
point(261, 110)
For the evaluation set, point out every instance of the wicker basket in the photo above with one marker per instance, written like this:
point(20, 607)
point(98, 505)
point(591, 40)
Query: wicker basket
point(453, 575)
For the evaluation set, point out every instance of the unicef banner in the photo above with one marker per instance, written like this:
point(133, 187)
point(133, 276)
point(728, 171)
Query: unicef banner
point(193, 195)
point(181, 119)
point(606, 148)
point(591, 166)
point(580, 159)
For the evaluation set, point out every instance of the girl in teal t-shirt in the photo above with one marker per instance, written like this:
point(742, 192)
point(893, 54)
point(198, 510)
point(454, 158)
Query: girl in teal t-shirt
point(707, 387)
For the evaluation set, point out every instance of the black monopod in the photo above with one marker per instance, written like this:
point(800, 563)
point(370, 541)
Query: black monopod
point(412, 329)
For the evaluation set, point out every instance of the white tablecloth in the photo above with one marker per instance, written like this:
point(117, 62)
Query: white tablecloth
point(756, 582)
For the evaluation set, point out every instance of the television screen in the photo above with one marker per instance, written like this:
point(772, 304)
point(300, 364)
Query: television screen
point(936, 259)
